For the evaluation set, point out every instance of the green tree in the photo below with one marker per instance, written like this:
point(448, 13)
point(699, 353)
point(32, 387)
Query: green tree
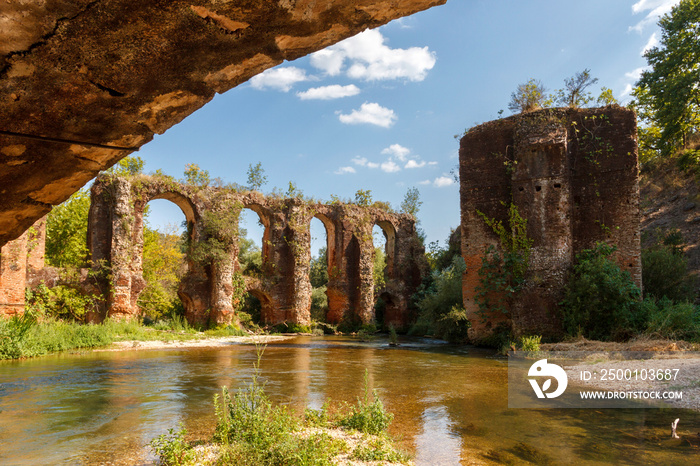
point(163, 264)
point(131, 165)
point(196, 176)
point(574, 94)
point(66, 232)
point(256, 177)
point(293, 190)
point(363, 197)
point(601, 301)
point(671, 87)
point(379, 269)
point(318, 274)
point(528, 97)
point(606, 97)
point(411, 202)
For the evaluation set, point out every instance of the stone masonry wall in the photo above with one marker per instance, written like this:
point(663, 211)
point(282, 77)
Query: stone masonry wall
point(573, 175)
point(20, 260)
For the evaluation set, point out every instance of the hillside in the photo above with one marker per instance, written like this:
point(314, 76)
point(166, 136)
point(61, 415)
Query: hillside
point(670, 199)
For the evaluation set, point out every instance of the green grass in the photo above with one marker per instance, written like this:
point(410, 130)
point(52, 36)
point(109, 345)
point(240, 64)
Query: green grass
point(24, 337)
point(250, 430)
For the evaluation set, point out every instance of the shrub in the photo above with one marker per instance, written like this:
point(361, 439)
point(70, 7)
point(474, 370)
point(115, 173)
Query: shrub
point(319, 304)
point(172, 449)
point(368, 416)
point(12, 334)
point(60, 302)
point(667, 319)
point(665, 274)
point(440, 304)
point(601, 301)
point(531, 343)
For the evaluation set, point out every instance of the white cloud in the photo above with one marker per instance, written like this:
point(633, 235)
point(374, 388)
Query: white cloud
point(656, 8)
point(651, 43)
point(370, 113)
point(330, 60)
point(443, 181)
point(281, 79)
point(389, 166)
point(424, 182)
point(361, 161)
point(370, 59)
point(415, 164)
point(372, 165)
point(634, 74)
point(631, 77)
point(334, 91)
point(344, 170)
point(398, 151)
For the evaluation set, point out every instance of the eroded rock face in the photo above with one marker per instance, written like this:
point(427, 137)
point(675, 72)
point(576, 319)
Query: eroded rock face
point(115, 240)
point(84, 83)
point(573, 175)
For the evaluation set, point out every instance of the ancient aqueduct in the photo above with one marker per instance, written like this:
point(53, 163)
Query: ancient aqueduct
point(115, 240)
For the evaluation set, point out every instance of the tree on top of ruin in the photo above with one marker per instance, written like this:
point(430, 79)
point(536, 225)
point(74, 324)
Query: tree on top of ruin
point(196, 176)
point(574, 94)
point(411, 202)
point(528, 97)
point(256, 177)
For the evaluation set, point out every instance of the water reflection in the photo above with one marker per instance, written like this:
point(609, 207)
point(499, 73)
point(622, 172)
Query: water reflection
point(449, 404)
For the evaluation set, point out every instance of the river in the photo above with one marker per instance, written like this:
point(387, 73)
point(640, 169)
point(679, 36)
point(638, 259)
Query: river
point(449, 403)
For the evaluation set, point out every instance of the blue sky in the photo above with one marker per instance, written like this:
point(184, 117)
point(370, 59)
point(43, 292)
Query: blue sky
point(380, 111)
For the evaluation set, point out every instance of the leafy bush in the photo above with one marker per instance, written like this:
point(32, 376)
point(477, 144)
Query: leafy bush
point(666, 319)
point(531, 343)
point(60, 302)
point(665, 274)
point(601, 301)
point(319, 304)
point(368, 416)
point(440, 304)
point(172, 449)
point(12, 334)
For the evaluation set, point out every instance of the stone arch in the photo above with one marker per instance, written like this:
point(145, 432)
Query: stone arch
point(330, 238)
point(389, 231)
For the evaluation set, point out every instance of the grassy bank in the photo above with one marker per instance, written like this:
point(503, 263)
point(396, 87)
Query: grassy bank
point(252, 431)
point(23, 337)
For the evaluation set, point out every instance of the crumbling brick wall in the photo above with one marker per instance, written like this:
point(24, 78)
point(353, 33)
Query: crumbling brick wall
point(20, 261)
point(573, 174)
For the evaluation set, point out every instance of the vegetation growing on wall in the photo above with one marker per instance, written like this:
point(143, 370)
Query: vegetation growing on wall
point(502, 272)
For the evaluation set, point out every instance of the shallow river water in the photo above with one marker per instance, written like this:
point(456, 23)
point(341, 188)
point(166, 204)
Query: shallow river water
point(449, 403)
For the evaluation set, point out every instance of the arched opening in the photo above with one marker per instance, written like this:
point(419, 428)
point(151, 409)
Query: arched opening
point(167, 226)
point(322, 253)
point(384, 241)
point(249, 267)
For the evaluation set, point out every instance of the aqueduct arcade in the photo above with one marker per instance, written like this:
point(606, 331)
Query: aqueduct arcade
point(208, 290)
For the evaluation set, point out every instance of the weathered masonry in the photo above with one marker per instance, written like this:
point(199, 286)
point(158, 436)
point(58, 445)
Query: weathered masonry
point(115, 241)
point(573, 175)
point(84, 83)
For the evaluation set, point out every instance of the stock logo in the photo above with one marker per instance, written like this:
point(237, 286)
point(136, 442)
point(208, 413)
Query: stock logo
point(543, 369)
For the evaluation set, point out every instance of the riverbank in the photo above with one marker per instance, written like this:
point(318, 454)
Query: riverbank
point(204, 341)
